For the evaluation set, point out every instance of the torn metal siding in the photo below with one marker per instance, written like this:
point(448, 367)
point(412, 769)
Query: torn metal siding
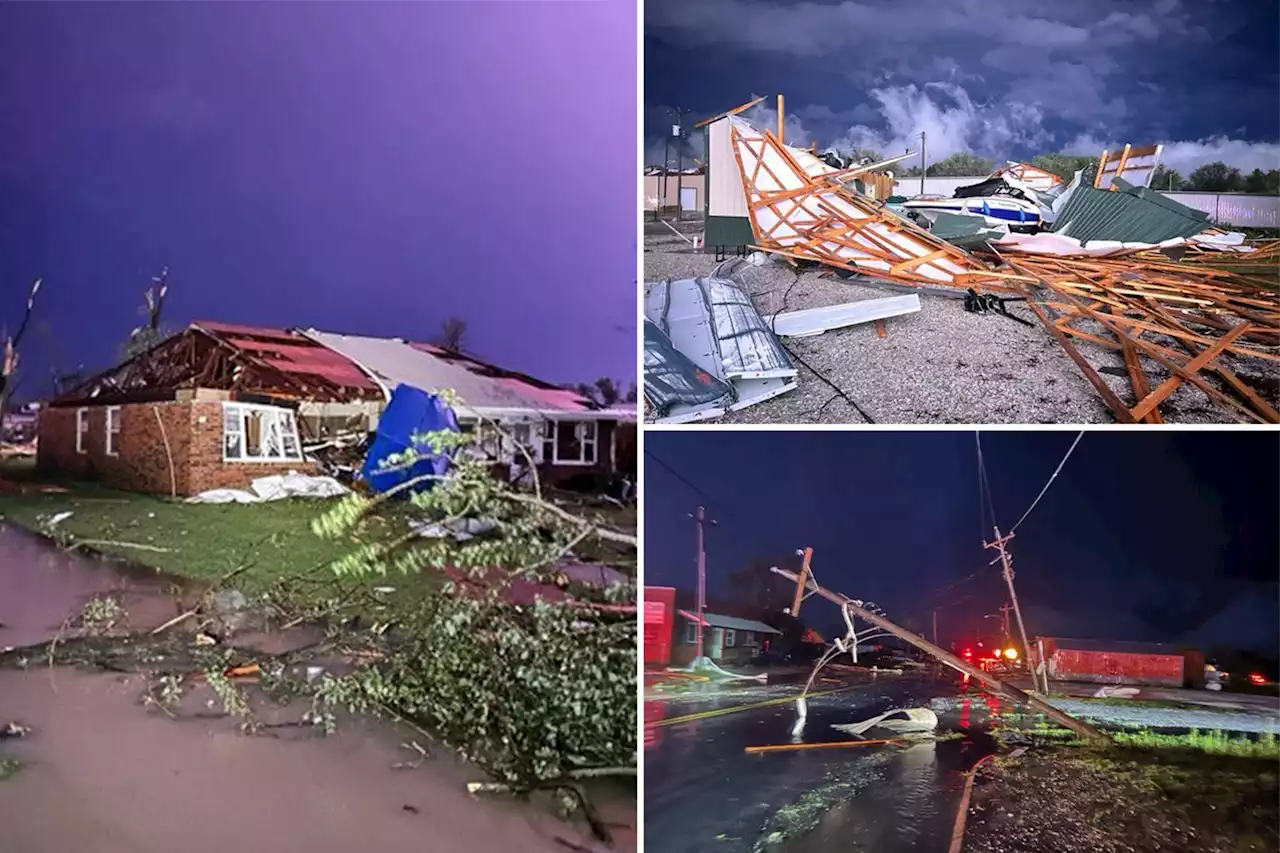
point(1127, 214)
point(713, 322)
point(673, 384)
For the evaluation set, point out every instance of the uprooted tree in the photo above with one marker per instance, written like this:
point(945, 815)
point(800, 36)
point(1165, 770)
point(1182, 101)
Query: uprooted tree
point(538, 693)
point(9, 358)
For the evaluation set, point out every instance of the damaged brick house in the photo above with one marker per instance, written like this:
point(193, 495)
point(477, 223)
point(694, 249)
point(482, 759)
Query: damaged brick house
point(218, 405)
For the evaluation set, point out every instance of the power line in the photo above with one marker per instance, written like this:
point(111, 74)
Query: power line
point(682, 478)
point(984, 488)
point(1050, 483)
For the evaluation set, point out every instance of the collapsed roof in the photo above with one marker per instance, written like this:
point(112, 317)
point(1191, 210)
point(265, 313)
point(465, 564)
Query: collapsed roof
point(318, 366)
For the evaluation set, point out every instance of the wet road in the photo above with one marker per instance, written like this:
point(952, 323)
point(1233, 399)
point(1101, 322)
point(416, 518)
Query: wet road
point(100, 773)
point(703, 792)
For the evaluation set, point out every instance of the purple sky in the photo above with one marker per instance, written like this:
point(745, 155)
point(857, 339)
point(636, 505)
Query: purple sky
point(360, 167)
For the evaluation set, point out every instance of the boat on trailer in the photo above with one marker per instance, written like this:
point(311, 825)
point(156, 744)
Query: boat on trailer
point(998, 200)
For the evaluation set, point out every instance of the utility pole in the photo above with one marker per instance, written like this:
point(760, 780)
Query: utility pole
point(1006, 563)
point(804, 579)
point(665, 177)
point(856, 608)
point(700, 517)
point(924, 163)
point(677, 130)
point(935, 626)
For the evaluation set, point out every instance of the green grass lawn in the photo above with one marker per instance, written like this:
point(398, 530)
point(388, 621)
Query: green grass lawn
point(201, 542)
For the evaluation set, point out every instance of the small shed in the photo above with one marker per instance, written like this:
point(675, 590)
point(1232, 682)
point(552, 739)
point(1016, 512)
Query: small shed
point(1121, 662)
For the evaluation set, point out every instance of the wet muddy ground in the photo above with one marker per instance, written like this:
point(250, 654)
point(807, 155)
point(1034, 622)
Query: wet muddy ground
point(100, 772)
point(1072, 800)
point(702, 791)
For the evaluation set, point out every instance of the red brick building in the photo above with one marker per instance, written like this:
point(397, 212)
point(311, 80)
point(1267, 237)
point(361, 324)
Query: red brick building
point(217, 406)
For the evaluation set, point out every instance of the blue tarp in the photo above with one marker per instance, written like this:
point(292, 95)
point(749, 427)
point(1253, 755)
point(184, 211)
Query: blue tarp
point(411, 412)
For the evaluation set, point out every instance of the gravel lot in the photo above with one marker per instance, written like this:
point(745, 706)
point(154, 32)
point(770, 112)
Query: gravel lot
point(941, 365)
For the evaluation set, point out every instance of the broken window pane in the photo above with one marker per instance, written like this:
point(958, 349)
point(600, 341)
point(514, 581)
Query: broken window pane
point(253, 434)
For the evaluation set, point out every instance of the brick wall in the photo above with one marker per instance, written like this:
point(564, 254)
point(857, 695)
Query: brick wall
point(206, 470)
point(194, 433)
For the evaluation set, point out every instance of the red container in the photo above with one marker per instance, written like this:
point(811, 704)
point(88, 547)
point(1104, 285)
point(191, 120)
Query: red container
point(659, 619)
point(1115, 662)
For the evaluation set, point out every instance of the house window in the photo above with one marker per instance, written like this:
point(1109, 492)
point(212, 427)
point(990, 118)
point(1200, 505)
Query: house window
point(570, 442)
point(690, 633)
point(253, 433)
point(82, 430)
point(730, 638)
point(750, 639)
point(113, 430)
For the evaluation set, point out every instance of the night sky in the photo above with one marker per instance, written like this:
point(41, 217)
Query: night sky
point(995, 78)
point(1143, 536)
point(357, 167)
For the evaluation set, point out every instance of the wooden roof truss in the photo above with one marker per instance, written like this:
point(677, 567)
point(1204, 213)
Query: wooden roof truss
point(197, 358)
point(799, 209)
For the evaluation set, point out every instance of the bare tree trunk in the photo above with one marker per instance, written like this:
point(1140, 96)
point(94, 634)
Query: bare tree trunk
point(9, 365)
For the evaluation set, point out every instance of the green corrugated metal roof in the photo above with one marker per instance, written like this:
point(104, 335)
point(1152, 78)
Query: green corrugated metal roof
point(967, 232)
point(1128, 214)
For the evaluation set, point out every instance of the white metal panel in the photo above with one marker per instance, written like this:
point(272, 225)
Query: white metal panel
point(688, 198)
point(724, 187)
point(1236, 209)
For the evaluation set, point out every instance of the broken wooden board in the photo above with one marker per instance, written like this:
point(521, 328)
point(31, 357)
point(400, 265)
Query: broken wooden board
point(1185, 320)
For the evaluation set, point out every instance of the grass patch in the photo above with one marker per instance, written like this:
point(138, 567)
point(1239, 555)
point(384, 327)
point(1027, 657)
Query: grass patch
point(1210, 743)
point(8, 767)
point(204, 542)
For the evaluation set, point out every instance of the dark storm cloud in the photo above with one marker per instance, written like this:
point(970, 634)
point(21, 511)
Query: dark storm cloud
point(977, 75)
point(370, 168)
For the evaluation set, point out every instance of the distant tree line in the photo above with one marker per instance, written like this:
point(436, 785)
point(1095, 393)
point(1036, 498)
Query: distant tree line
point(1216, 177)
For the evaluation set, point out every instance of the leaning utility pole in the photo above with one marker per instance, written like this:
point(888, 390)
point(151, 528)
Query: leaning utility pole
point(807, 555)
point(855, 608)
point(700, 517)
point(1006, 562)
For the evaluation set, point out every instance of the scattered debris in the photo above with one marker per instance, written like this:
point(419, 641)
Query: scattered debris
point(274, 488)
point(14, 730)
point(1100, 259)
point(790, 747)
point(907, 721)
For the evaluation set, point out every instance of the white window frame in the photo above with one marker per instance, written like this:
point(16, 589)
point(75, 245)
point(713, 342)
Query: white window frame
point(730, 638)
point(690, 632)
point(111, 431)
point(750, 639)
point(284, 420)
point(82, 431)
point(589, 441)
